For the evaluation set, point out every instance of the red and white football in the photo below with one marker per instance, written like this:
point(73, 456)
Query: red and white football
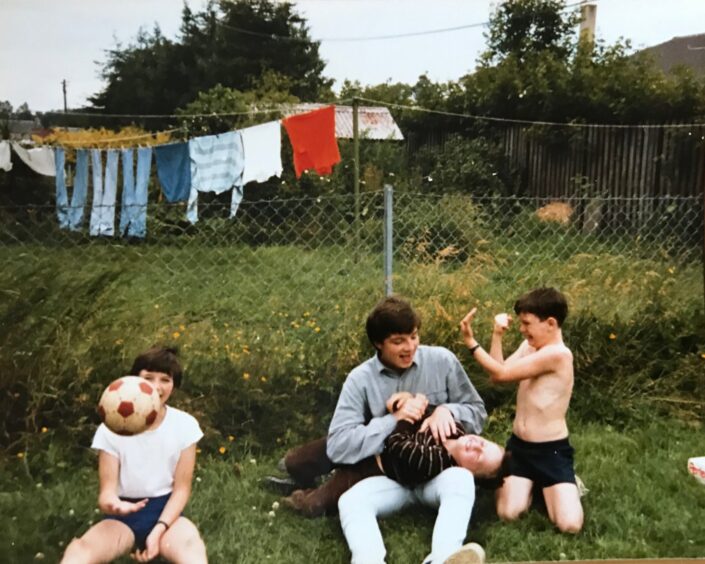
point(129, 405)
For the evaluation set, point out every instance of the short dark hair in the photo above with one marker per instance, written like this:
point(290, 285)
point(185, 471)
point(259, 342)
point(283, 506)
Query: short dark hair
point(391, 315)
point(495, 481)
point(543, 303)
point(159, 359)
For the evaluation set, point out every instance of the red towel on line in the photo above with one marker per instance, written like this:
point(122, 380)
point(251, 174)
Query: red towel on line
point(312, 137)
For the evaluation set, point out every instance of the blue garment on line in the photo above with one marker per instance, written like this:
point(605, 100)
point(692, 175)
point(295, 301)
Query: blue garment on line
point(174, 170)
point(71, 216)
point(133, 213)
point(62, 200)
point(217, 163)
point(104, 194)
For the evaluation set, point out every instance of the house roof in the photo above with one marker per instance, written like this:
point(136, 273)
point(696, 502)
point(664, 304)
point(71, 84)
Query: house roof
point(373, 122)
point(688, 50)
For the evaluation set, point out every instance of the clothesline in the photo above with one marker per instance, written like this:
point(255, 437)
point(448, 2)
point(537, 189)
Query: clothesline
point(209, 163)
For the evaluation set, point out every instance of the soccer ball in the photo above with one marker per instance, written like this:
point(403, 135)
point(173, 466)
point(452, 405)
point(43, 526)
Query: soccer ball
point(129, 405)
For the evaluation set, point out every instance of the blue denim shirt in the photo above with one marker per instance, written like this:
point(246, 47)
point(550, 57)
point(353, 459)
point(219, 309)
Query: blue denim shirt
point(361, 422)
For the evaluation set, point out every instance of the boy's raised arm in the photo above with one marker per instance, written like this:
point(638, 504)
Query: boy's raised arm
point(520, 367)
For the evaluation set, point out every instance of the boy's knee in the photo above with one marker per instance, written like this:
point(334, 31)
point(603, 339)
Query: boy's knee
point(511, 510)
point(508, 513)
point(570, 524)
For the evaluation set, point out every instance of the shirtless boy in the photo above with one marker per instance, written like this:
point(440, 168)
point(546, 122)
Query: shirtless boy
point(539, 451)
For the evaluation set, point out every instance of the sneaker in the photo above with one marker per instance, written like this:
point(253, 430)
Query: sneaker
point(471, 553)
point(282, 486)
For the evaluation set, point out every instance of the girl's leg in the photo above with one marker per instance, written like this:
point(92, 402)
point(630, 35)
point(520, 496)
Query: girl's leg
point(103, 542)
point(182, 543)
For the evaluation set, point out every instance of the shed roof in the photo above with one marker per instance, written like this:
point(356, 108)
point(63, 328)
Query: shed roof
point(374, 122)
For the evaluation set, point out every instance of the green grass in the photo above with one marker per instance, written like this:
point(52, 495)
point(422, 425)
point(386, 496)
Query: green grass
point(267, 336)
point(641, 502)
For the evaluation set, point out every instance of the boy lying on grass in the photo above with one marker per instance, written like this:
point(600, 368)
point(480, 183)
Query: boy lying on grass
point(411, 456)
point(539, 453)
point(145, 481)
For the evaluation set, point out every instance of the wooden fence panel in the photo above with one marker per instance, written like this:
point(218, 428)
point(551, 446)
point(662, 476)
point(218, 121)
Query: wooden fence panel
point(618, 162)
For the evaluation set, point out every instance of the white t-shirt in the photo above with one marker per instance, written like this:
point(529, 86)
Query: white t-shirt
point(148, 460)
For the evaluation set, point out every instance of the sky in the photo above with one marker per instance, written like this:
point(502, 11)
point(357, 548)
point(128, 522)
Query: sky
point(43, 42)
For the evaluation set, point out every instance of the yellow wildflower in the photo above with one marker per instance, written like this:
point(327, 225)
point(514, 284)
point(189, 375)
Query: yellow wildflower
point(182, 327)
point(44, 429)
point(612, 336)
point(263, 379)
point(246, 376)
point(231, 438)
point(317, 329)
point(176, 334)
point(20, 455)
point(221, 450)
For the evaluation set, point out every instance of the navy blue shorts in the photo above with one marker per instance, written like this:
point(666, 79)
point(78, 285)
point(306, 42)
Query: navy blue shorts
point(142, 522)
point(546, 464)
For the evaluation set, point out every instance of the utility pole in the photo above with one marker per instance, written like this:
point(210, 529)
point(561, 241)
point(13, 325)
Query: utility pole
point(588, 16)
point(63, 87)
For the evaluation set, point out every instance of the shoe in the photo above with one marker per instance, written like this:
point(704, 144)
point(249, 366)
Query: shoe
point(282, 486)
point(471, 553)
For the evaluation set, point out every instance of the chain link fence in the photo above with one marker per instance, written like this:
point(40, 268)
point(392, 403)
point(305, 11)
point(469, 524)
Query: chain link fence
point(313, 246)
point(268, 306)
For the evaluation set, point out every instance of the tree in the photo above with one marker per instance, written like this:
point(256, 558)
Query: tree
point(233, 43)
point(524, 27)
point(230, 109)
point(535, 68)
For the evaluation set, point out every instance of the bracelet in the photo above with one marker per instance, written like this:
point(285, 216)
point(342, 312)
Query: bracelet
point(473, 349)
point(166, 526)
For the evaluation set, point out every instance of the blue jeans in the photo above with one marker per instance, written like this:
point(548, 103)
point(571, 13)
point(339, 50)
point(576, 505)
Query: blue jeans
point(71, 216)
point(104, 194)
point(133, 214)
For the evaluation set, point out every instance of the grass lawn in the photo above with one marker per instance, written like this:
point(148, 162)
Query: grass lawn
point(641, 503)
point(267, 334)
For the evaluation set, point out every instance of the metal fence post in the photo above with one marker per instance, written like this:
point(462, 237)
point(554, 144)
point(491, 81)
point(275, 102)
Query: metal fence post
point(356, 173)
point(388, 240)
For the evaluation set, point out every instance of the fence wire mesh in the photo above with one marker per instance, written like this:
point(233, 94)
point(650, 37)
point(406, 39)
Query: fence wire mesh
point(277, 296)
point(281, 249)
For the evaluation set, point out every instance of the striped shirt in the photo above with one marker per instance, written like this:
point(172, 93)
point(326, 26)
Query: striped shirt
point(411, 457)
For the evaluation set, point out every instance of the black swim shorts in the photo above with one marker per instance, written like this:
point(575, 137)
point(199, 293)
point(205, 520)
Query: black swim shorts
point(545, 464)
